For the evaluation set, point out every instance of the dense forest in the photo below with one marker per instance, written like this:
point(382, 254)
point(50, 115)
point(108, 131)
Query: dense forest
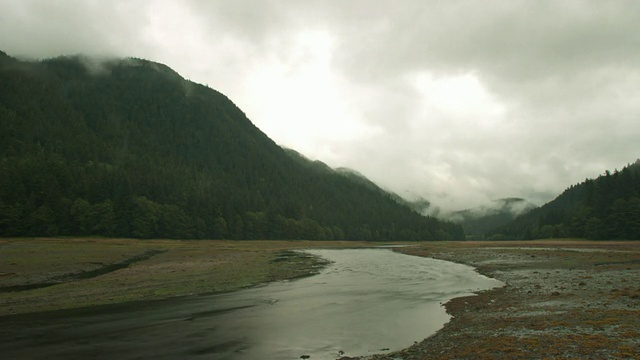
point(605, 208)
point(129, 148)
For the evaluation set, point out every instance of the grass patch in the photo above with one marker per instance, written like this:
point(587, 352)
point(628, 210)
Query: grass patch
point(50, 274)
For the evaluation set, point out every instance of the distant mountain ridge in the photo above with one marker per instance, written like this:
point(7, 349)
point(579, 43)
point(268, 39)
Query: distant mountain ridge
point(479, 221)
point(607, 207)
point(417, 206)
point(127, 147)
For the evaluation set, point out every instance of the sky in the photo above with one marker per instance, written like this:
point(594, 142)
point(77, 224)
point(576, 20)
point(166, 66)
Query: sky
point(457, 102)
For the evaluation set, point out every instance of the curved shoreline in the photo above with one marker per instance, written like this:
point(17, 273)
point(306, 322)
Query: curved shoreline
point(562, 300)
point(48, 274)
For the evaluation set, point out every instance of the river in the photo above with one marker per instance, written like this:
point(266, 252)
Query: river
point(367, 301)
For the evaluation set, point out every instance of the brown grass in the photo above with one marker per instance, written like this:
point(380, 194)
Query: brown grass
point(181, 268)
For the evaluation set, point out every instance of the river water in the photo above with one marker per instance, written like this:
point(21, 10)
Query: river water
point(367, 301)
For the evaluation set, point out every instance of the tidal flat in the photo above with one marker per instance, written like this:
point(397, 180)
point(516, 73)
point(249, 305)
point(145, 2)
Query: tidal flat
point(364, 301)
point(46, 274)
point(563, 299)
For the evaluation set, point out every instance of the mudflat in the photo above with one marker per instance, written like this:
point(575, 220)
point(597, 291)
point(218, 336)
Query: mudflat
point(45, 274)
point(563, 299)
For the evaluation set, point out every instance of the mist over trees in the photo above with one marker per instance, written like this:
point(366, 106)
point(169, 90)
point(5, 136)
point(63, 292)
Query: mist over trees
point(128, 148)
point(607, 207)
point(477, 222)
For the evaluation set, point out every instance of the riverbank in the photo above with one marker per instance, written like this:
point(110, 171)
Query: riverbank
point(564, 299)
point(45, 274)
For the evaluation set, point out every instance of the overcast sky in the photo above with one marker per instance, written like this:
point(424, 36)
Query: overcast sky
point(459, 102)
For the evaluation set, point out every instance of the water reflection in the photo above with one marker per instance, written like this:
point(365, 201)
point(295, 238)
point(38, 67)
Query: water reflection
point(367, 301)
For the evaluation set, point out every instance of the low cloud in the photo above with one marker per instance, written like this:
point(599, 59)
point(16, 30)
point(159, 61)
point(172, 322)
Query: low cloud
point(459, 102)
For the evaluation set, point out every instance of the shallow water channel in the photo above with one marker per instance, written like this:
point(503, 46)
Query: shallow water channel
point(367, 301)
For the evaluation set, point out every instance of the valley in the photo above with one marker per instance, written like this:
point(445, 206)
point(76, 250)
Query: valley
point(134, 186)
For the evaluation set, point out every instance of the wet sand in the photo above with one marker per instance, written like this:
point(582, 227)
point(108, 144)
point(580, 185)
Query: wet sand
point(564, 299)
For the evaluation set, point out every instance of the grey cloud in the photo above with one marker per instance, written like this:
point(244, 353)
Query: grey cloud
point(567, 74)
point(517, 39)
point(254, 23)
point(51, 28)
point(562, 68)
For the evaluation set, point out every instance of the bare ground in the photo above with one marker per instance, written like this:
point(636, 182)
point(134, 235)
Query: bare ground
point(564, 299)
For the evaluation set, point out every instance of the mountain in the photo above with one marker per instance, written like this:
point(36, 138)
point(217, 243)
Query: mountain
point(358, 178)
point(316, 166)
point(479, 221)
point(320, 167)
point(129, 148)
point(419, 206)
point(605, 208)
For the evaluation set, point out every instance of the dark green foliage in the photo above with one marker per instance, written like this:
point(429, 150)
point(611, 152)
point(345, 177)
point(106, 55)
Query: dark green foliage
point(129, 148)
point(605, 208)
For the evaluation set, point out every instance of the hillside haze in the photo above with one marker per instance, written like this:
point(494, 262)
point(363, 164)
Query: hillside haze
point(607, 207)
point(128, 147)
point(419, 206)
point(479, 221)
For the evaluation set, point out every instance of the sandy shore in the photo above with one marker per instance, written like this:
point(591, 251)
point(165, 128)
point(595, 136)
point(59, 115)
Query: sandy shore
point(563, 300)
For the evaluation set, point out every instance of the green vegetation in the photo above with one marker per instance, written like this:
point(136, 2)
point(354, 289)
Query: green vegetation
point(128, 148)
point(605, 208)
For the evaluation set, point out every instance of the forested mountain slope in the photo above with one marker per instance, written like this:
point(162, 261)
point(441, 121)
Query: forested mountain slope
point(605, 208)
point(419, 206)
point(479, 221)
point(130, 148)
